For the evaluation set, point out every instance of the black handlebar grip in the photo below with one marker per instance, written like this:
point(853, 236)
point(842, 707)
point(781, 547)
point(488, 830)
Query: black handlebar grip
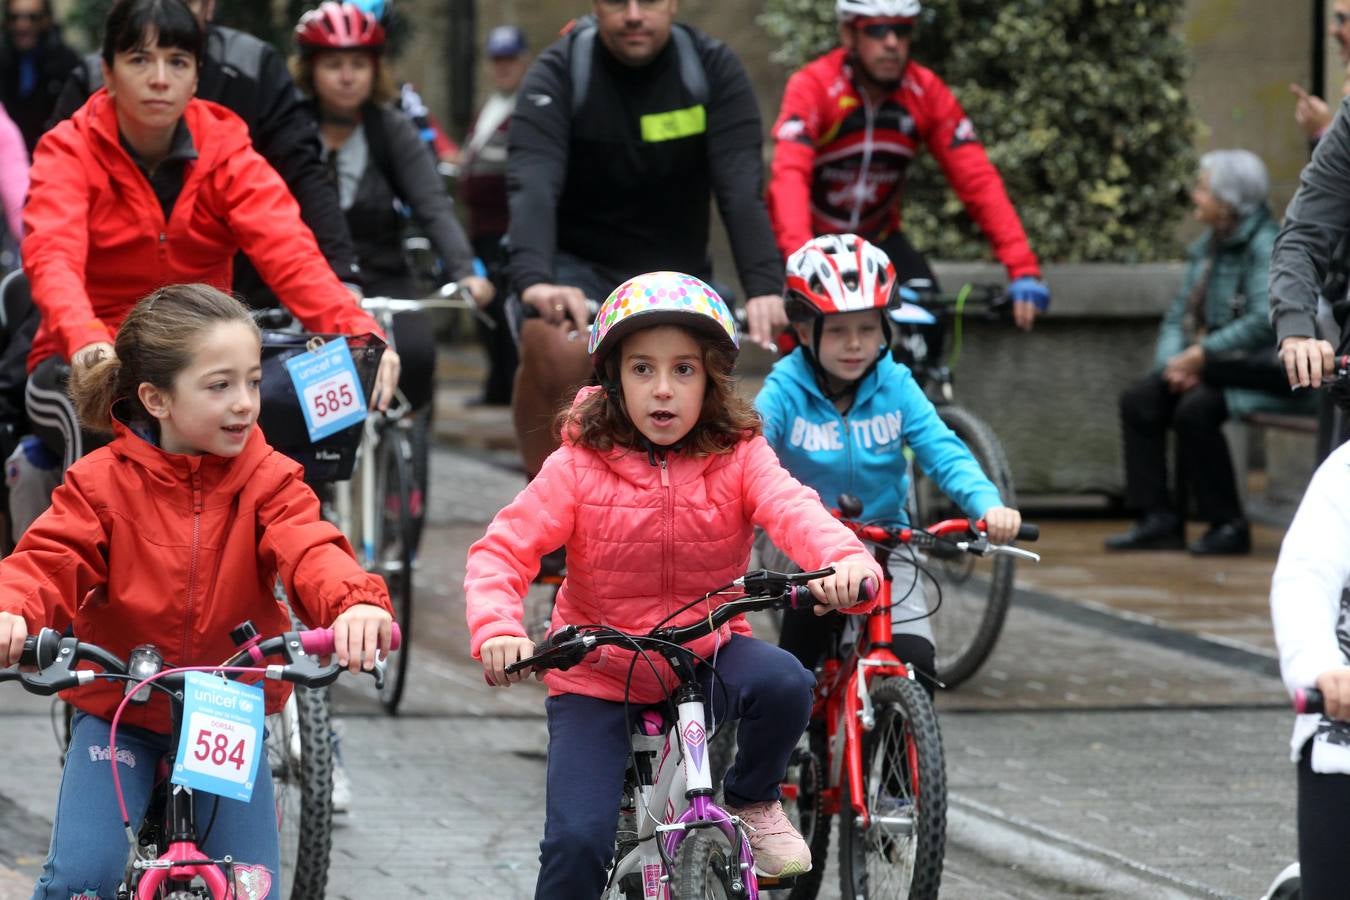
point(1309, 701)
point(1029, 532)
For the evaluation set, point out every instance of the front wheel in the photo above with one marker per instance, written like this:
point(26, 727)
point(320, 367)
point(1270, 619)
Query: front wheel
point(975, 593)
point(707, 868)
point(300, 756)
point(899, 855)
point(394, 551)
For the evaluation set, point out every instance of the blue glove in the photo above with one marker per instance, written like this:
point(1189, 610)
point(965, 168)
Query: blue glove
point(1029, 289)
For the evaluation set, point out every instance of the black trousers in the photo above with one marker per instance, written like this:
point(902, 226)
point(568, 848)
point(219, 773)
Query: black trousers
point(1204, 468)
point(1323, 802)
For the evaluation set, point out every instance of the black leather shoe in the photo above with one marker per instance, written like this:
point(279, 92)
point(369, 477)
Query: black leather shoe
point(1229, 539)
point(1155, 531)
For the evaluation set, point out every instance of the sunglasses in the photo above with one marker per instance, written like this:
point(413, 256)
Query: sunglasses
point(23, 16)
point(879, 30)
point(644, 4)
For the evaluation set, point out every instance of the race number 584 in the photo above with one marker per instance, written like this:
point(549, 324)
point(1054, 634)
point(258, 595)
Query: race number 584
point(220, 748)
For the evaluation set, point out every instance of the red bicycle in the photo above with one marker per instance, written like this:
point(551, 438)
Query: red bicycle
point(165, 860)
point(873, 751)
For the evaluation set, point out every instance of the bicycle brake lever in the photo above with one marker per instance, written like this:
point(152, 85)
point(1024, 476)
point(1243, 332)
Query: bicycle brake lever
point(57, 675)
point(1007, 550)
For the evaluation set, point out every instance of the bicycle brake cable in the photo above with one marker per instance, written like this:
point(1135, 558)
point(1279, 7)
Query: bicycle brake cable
point(955, 356)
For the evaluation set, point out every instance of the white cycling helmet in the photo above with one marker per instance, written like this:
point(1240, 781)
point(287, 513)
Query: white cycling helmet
point(838, 273)
point(848, 10)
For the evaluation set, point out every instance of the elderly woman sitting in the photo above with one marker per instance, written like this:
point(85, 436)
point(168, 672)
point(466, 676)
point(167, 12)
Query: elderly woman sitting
point(1221, 313)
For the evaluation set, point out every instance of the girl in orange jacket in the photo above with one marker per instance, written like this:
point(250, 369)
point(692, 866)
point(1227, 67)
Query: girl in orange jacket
point(656, 490)
point(172, 534)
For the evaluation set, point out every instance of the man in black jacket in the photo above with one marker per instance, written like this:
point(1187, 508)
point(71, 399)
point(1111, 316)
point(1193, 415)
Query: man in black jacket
point(250, 78)
point(623, 132)
point(34, 62)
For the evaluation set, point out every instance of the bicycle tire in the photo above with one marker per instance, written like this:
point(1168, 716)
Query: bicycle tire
point(703, 867)
point(300, 755)
point(906, 734)
point(975, 593)
point(394, 552)
point(804, 804)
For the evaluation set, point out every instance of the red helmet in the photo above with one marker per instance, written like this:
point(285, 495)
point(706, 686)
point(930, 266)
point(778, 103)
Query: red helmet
point(338, 26)
point(838, 273)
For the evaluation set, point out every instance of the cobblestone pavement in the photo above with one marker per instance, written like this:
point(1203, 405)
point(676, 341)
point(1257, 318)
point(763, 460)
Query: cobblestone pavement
point(1092, 757)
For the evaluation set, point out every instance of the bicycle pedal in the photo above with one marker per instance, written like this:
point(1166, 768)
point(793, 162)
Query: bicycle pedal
point(776, 882)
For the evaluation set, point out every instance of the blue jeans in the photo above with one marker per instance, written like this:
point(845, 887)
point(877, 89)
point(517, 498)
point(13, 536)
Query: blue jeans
point(89, 850)
point(766, 689)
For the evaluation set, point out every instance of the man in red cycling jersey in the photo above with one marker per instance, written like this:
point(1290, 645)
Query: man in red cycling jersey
point(850, 124)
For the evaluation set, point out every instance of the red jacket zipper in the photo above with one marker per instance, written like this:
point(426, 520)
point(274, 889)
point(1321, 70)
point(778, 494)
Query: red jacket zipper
point(192, 560)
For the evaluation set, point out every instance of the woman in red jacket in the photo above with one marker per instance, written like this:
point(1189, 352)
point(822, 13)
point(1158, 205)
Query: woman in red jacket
point(146, 186)
point(172, 534)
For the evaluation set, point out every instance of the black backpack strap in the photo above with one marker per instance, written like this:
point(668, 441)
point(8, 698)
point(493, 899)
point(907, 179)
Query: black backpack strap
point(582, 54)
point(377, 141)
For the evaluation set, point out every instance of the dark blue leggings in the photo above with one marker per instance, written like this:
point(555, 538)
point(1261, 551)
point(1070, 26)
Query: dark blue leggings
point(766, 689)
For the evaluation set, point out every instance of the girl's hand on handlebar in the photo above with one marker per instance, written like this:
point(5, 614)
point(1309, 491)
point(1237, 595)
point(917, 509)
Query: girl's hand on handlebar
point(1001, 524)
point(480, 288)
point(1335, 687)
point(840, 590)
point(499, 652)
point(386, 380)
point(13, 629)
point(358, 632)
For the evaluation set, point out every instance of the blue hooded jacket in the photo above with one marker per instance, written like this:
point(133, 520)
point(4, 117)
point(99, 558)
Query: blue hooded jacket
point(861, 453)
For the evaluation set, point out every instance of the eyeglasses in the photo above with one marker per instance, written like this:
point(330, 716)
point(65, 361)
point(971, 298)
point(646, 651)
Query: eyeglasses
point(879, 30)
point(23, 16)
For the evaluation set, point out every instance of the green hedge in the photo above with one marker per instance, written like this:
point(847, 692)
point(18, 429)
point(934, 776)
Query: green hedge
point(1080, 104)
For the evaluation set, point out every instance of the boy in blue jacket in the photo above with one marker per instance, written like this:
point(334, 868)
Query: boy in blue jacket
point(839, 410)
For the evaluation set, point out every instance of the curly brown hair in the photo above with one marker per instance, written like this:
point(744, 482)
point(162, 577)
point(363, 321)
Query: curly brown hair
point(600, 423)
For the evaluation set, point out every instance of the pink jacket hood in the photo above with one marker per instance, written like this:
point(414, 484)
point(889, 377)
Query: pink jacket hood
point(642, 540)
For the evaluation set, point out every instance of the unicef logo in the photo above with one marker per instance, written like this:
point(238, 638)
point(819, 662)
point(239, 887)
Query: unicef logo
point(245, 706)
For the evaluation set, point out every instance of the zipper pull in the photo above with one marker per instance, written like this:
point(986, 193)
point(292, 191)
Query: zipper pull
point(665, 477)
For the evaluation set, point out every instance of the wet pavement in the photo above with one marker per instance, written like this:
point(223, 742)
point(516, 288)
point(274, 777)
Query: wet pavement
point(1126, 739)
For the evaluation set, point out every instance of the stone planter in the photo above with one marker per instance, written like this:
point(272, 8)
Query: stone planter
point(1051, 394)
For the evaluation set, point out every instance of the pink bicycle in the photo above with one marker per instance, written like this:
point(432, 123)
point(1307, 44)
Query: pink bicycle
point(182, 871)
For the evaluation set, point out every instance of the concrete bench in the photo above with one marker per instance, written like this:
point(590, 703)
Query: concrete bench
point(1287, 443)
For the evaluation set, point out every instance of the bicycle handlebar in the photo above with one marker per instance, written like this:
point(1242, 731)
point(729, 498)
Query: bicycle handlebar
point(764, 590)
point(54, 656)
point(936, 537)
point(1309, 700)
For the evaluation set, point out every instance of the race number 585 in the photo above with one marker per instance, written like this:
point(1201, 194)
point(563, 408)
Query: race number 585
point(331, 397)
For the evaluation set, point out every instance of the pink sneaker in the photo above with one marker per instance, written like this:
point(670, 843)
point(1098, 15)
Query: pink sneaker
point(778, 847)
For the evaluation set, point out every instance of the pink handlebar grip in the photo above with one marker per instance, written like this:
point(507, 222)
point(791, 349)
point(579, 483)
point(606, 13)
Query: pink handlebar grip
point(319, 641)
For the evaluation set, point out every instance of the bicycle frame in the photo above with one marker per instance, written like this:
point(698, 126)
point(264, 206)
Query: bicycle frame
point(842, 701)
point(182, 860)
point(678, 798)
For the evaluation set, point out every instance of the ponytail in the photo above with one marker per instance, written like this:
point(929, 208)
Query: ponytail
point(155, 343)
point(93, 390)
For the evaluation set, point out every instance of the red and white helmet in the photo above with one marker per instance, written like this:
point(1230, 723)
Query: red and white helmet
point(848, 10)
point(338, 26)
point(838, 273)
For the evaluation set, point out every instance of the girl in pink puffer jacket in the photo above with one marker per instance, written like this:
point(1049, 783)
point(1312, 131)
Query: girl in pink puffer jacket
point(656, 490)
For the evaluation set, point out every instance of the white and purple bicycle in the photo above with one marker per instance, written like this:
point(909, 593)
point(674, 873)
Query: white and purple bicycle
point(674, 842)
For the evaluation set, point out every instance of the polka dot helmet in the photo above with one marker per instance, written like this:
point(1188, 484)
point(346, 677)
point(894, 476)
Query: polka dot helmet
point(660, 298)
